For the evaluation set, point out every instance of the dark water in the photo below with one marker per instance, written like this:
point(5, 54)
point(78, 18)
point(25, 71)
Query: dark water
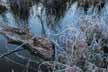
point(18, 61)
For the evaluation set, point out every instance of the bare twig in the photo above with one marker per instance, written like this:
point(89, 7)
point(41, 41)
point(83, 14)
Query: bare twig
point(43, 28)
point(13, 51)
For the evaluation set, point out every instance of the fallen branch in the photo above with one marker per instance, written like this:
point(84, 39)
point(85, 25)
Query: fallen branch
point(38, 46)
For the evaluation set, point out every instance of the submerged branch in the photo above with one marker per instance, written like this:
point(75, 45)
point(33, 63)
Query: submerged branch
point(10, 52)
point(13, 51)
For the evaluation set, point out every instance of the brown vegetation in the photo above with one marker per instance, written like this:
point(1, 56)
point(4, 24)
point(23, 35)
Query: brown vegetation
point(21, 8)
point(91, 3)
point(56, 7)
point(2, 9)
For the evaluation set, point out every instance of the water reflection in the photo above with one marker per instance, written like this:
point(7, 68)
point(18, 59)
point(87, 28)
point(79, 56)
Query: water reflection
point(20, 58)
